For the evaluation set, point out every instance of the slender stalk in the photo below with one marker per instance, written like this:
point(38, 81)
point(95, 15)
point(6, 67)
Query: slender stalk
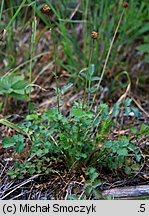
point(1, 10)
point(5, 105)
point(33, 38)
point(55, 72)
point(87, 82)
point(108, 54)
point(15, 15)
point(32, 49)
point(85, 13)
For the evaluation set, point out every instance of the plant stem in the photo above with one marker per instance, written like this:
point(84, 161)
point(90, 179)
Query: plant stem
point(108, 54)
point(32, 50)
point(33, 38)
point(1, 11)
point(87, 82)
point(55, 73)
point(5, 105)
point(85, 13)
point(14, 16)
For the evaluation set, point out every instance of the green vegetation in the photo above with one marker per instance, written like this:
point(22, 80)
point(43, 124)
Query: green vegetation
point(86, 41)
point(80, 140)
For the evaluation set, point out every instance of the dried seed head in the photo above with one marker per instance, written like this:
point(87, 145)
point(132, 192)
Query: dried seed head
point(47, 9)
point(94, 34)
point(125, 4)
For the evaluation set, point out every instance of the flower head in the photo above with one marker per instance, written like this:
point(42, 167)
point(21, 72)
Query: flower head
point(125, 4)
point(94, 34)
point(47, 9)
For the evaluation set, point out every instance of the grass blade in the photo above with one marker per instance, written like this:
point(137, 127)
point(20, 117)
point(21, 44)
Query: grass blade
point(12, 125)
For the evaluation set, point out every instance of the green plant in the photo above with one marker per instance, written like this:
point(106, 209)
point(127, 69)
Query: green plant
point(73, 141)
point(92, 183)
point(11, 9)
point(144, 48)
point(14, 85)
point(73, 135)
point(17, 141)
point(119, 154)
point(15, 15)
point(128, 108)
point(12, 125)
point(1, 10)
point(32, 42)
point(100, 16)
point(90, 189)
point(142, 132)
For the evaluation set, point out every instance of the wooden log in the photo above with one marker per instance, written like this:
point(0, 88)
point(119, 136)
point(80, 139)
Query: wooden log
point(125, 192)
